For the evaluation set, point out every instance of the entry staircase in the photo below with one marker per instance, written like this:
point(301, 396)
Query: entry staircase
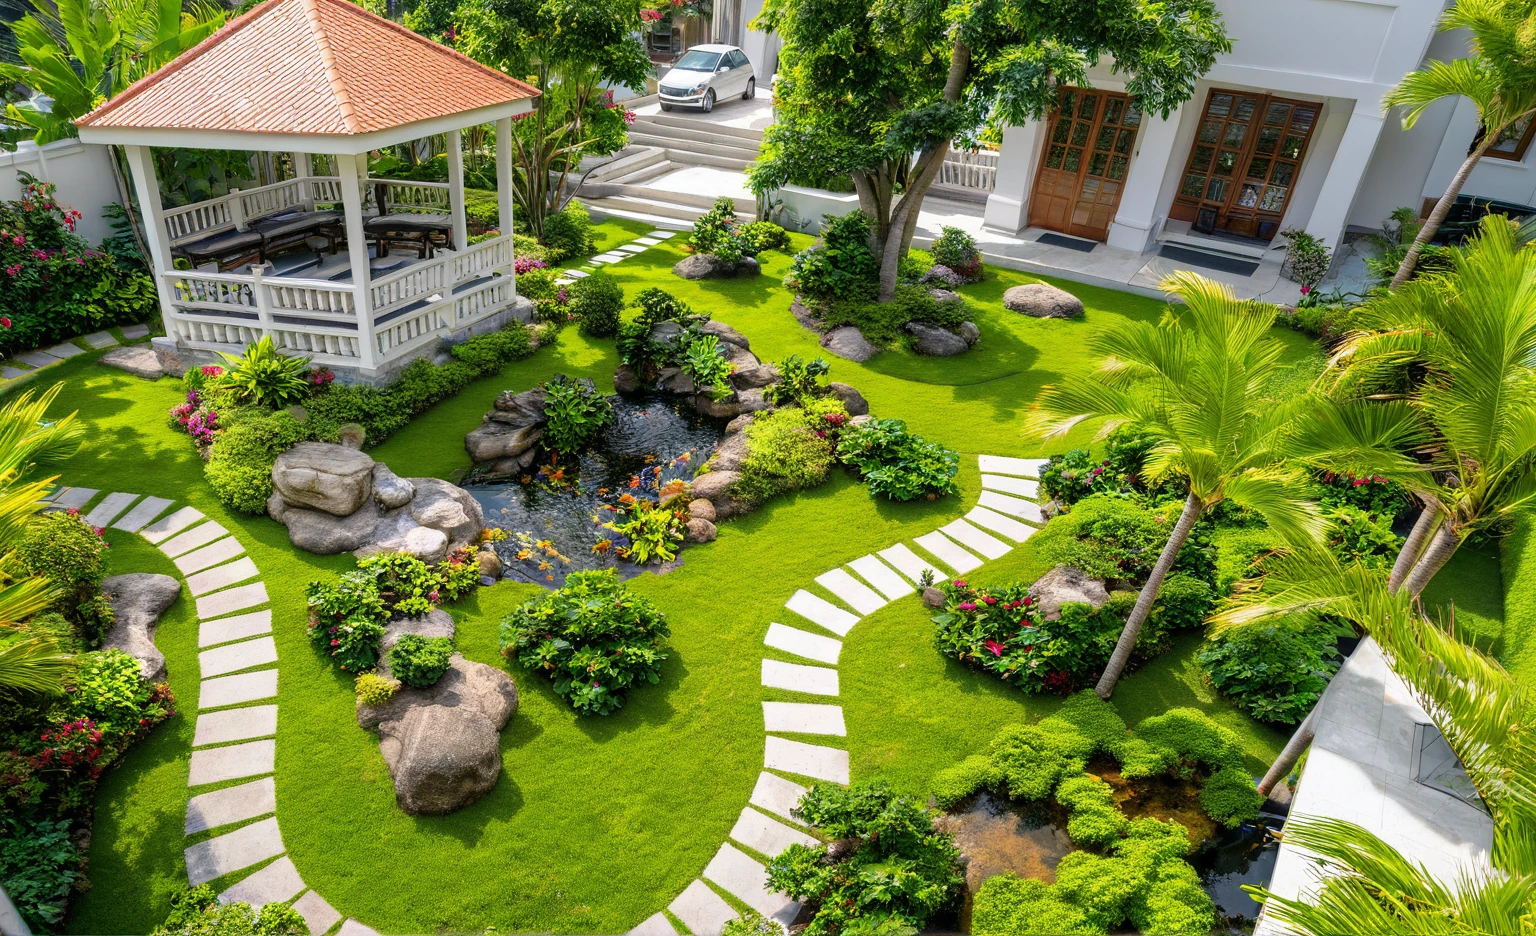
point(658, 145)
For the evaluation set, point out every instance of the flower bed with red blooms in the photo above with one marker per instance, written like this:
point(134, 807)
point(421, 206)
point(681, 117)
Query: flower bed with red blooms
point(53, 286)
point(1000, 631)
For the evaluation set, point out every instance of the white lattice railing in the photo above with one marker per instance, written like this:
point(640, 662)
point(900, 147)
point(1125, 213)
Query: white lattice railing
point(482, 258)
point(232, 211)
point(404, 286)
point(971, 169)
point(193, 221)
point(409, 332)
point(412, 196)
point(477, 303)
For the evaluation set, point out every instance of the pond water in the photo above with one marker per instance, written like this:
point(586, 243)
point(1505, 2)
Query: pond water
point(1230, 859)
point(548, 513)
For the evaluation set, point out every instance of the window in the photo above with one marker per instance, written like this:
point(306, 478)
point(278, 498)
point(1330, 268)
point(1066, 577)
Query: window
point(697, 60)
point(1513, 142)
point(1433, 764)
point(738, 59)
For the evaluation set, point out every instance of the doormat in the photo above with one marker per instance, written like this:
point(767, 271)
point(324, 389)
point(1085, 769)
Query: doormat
point(1210, 261)
point(1071, 243)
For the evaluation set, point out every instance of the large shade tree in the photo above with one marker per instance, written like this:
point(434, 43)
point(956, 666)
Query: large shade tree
point(878, 89)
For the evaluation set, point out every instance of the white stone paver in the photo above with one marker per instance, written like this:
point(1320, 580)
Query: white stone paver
point(353, 928)
point(139, 517)
point(100, 339)
point(200, 535)
point(767, 836)
point(240, 724)
point(232, 804)
point(880, 575)
point(812, 680)
point(630, 248)
point(65, 350)
point(318, 915)
point(648, 241)
point(215, 765)
point(776, 794)
point(997, 523)
point(747, 881)
point(239, 627)
point(276, 883)
point(854, 593)
point(975, 540)
point(803, 643)
point(135, 331)
point(221, 576)
point(1023, 467)
point(219, 551)
point(74, 498)
point(1018, 487)
point(230, 658)
point(910, 564)
point(948, 552)
point(702, 910)
point(609, 257)
point(231, 600)
point(656, 924)
point(105, 512)
point(804, 718)
point(1012, 506)
point(807, 760)
point(169, 526)
point(237, 689)
point(662, 235)
point(820, 611)
point(232, 851)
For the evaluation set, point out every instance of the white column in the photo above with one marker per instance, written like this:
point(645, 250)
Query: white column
point(357, 255)
point(1136, 220)
point(301, 171)
point(456, 189)
point(141, 165)
point(504, 188)
point(1344, 175)
point(1008, 205)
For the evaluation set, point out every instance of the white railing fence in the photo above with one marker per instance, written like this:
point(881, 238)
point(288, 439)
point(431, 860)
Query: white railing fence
point(970, 169)
point(235, 210)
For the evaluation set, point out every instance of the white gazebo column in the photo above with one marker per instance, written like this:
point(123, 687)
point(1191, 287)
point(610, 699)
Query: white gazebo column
point(1136, 219)
point(1344, 175)
point(357, 255)
point(456, 189)
point(1008, 205)
point(504, 191)
point(301, 171)
point(141, 165)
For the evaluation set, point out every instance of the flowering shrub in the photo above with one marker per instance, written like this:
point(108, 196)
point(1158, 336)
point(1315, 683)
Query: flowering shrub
point(346, 619)
point(1307, 259)
point(897, 464)
point(1070, 477)
point(1373, 494)
point(593, 637)
point(789, 449)
point(719, 232)
point(941, 275)
point(956, 250)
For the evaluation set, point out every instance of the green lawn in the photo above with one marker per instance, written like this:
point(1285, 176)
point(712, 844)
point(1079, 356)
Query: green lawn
point(599, 822)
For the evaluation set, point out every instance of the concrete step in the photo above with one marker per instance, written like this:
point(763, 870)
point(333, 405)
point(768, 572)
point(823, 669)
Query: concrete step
point(647, 172)
point(696, 125)
point(1218, 245)
point(955, 193)
point(744, 154)
point(744, 206)
point(628, 163)
point(628, 205)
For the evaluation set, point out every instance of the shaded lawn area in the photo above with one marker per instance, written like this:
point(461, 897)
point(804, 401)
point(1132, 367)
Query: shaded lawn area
point(599, 822)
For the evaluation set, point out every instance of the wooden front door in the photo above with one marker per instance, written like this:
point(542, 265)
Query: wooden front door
point(1244, 162)
point(1088, 149)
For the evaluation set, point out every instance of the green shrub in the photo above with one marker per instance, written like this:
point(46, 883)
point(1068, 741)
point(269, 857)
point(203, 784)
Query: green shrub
point(568, 233)
point(1006, 905)
point(196, 911)
point(1111, 538)
point(704, 361)
point(239, 467)
point(1356, 536)
point(596, 301)
point(63, 548)
point(482, 211)
point(882, 322)
point(751, 923)
point(1094, 819)
point(1033, 759)
point(594, 637)
point(346, 619)
point(956, 249)
point(1185, 738)
point(1274, 672)
point(718, 232)
point(420, 661)
point(39, 867)
point(953, 785)
point(841, 266)
point(1230, 797)
point(1072, 476)
point(1372, 494)
point(784, 453)
point(373, 689)
point(406, 585)
point(108, 690)
point(896, 464)
point(577, 411)
point(1236, 552)
point(764, 235)
point(263, 377)
point(800, 381)
point(1183, 602)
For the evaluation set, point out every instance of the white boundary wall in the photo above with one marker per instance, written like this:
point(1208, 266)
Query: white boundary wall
point(82, 171)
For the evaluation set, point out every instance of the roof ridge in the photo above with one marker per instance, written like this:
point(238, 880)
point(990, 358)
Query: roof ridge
point(332, 73)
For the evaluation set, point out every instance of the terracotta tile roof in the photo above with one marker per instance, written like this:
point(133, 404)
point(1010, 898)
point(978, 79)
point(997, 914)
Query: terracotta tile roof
point(308, 66)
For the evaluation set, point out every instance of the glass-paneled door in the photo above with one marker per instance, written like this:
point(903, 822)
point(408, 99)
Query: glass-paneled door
point(1089, 143)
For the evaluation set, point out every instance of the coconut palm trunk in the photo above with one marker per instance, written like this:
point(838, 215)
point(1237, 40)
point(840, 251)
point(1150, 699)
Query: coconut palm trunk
point(1436, 555)
point(1441, 209)
point(1193, 505)
point(1291, 753)
point(1413, 547)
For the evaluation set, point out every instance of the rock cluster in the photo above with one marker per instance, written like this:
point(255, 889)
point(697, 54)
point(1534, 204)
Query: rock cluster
point(1064, 585)
point(935, 341)
point(746, 382)
point(1040, 300)
point(333, 499)
point(701, 266)
point(442, 744)
point(848, 343)
point(138, 599)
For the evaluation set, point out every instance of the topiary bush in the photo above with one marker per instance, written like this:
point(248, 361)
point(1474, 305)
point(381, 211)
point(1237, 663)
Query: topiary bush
point(953, 785)
point(568, 232)
point(373, 689)
point(596, 302)
point(420, 661)
point(70, 553)
point(764, 235)
point(239, 467)
point(788, 450)
point(956, 249)
point(896, 464)
point(1094, 819)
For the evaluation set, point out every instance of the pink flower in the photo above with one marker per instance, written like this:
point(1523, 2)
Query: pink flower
point(989, 599)
point(959, 583)
point(1306, 290)
point(995, 647)
point(1026, 601)
point(967, 606)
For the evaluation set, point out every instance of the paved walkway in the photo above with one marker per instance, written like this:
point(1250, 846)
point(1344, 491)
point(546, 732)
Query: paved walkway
point(23, 364)
point(235, 734)
point(616, 255)
point(1006, 517)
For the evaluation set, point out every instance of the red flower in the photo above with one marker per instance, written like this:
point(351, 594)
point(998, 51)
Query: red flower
point(5, 322)
point(995, 647)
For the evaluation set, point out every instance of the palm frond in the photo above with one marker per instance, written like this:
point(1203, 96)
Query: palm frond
point(32, 666)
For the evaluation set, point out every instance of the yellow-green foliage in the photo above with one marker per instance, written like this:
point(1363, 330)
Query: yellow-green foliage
point(972, 775)
point(785, 452)
point(373, 689)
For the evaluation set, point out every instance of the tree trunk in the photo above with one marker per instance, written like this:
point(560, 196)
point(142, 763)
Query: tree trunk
point(1413, 546)
point(1127, 641)
point(114, 154)
point(1442, 208)
point(1438, 553)
point(1292, 751)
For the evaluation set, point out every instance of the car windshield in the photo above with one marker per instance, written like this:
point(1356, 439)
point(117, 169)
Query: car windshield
point(697, 60)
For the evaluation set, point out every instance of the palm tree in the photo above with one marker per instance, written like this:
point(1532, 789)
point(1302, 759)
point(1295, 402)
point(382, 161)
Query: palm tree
point(1201, 381)
point(32, 666)
point(1459, 347)
point(1499, 78)
point(28, 442)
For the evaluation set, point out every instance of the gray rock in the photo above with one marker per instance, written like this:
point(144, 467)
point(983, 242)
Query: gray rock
point(700, 531)
point(864, 420)
point(853, 400)
point(666, 333)
point(435, 623)
point(322, 476)
point(740, 358)
point(449, 508)
point(969, 333)
point(752, 401)
point(849, 343)
point(739, 423)
point(520, 408)
point(762, 375)
point(944, 296)
point(805, 316)
point(1040, 300)
point(494, 440)
point(138, 360)
point(702, 509)
point(933, 597)
point(731, 454)
point(716, 409)
point(673, 380)
point(1063, 585)
point(389, 489)
point(138, 599)
point(425, 543)
point(708, 266)
point(471, 686)
point(440, 758)
point(514, 464)
point(725, 333)
point(934, 341)
point(715, 487)
point(625, 380)
point(325, 534)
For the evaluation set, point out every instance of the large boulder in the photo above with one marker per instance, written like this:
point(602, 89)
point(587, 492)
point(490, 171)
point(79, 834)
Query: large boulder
point(725, 333)
point(934, 341)
point(715, 486)
point(331, 478)
point(1064, 585)
point(740, 358)
point(519, 408)
point(969, 332)
point(449, 508)
point(625, 380)
point(399, 532)
point(730, 455)
point(673, 380)
point(494, 441)
point(322, 533)
point(707, 405)
point(389, 489)
point(853, 400)
point(1040, 300)
point(700, 531)
point(849, 343)
point(138, 599)
point(762, 375)
point(702, 266)
point(805, 316)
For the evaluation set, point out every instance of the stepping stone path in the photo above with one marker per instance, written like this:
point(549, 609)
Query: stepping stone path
point(42, 357)
point(1007, 515)
point(614, 255)
point(234, 826)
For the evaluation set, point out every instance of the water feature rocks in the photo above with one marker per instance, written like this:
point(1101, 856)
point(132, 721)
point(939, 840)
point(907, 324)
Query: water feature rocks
point(849, 343)
point(447, 507)
point(750, 378)
point(935, 341)
point(1063, 585)
point(729, 456)
point(702, 266)
point(701, 509)
point(715, 487)
point(138, 599)
point(327, 477)
point(489, 562)
point(726, 334)
point(700, 531)
point(1040, 300)
point(673, 380)
point(625, 380)
point(853, 400)
point(389, 489)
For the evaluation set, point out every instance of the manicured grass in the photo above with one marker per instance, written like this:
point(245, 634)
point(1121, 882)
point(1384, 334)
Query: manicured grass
point(599, 822)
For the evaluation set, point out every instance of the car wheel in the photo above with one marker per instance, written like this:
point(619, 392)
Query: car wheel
point(666, 107)
point(751, 91)
point(709, 100)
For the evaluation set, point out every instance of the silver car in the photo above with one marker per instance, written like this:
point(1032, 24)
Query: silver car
point(706, 74)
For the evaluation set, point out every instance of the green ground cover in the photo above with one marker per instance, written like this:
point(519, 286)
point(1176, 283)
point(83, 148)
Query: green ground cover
point(598, 822)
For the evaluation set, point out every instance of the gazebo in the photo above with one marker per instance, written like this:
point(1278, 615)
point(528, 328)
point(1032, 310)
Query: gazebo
point(361, 274)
